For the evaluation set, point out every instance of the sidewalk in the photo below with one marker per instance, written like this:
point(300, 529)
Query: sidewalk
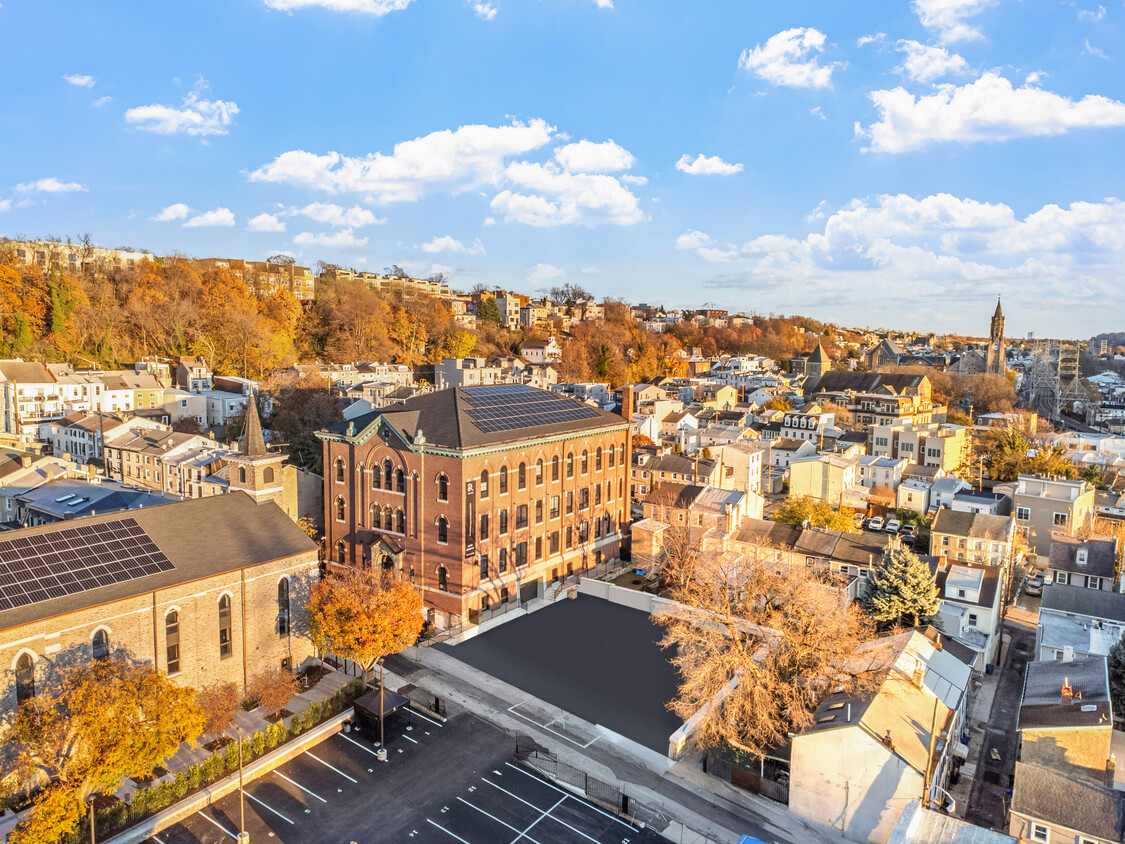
point(678, 790)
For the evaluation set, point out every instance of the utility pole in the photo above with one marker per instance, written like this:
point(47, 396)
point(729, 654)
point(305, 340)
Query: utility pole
point(243, 835)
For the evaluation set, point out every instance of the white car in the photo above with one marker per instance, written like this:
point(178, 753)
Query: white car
point(876, 523)
point(892, 526)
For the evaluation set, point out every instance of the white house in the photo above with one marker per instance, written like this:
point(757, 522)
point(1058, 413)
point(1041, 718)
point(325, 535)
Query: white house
point(914, 494)
point(971, 596)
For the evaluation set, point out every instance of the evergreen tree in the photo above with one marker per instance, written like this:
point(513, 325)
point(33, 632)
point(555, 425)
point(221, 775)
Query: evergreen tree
point(1116, 660)
point(902, 590)
point(489, 311)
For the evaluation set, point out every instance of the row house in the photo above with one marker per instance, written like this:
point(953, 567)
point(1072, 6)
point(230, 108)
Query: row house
point(263, 278)
point(944, 446)
point(652, 466)
point(973, 537)
point(149, 458)
point(1046, 506)
point(971, 598)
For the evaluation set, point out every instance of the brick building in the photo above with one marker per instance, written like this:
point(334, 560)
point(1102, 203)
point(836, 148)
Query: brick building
point(482, 496)
point(211, 590)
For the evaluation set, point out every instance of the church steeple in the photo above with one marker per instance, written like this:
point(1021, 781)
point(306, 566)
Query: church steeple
point(252, 444)
point(994, 356)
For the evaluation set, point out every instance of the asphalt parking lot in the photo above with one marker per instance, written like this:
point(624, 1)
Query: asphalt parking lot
point(450, 783)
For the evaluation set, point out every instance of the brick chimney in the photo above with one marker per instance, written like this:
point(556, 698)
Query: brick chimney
point(627, 402)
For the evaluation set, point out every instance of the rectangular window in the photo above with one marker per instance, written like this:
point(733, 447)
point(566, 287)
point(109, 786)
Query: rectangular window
point(597, 495)
point(172, 636)
point(1060, 519)
point(484, 567)
point(538, 512)
point(521, 516)
point(503, 480)
point(504, 595)
point(539, 548)
point(1062, 578)
point(1093, 583)
point(583, 532)
point(484, 526)
point(569, 537)
point(502, 566)
point(503, 522)
point(569, 503)
point(584, 499)
point(521, 554)
point(554, 506)
point(1040, 833)
point(972, 619)
point(554, 543)
point(1023, 514)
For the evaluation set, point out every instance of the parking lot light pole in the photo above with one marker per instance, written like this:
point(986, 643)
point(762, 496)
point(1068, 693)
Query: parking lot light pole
point(243, 835)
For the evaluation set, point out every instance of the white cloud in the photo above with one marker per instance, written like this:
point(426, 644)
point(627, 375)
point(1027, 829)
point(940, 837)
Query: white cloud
point(926, 63)
point(377, 8)
point(439, 268)
point(483, 9)
point(1092, 16)
point(447, 243)
point(175, 211)
point(544, 272)
point(949, 19)
point(338, 216)
point(591, 157)
point(489, 221)
point(265, 223)
point(196, 116)
point(455, 159)
point(875, 38)
point(79, 80)
point(639, 181)
point(816, 112)
point(560, 198)
point(706, 165)
point(604, 4)
point(989, 109)
point(818, 213)
point(5, 204)
point(707, 247)
point(101, 101)
point(50, 185)
point(342, 239)
point(218, 217)
point(1091, 50)
point(789, 58)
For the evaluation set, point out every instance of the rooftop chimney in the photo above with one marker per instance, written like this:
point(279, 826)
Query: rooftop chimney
point(1067, 691)
point(627, 402)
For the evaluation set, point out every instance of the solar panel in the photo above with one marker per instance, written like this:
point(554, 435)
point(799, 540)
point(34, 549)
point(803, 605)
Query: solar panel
point(512, 407)
point(73, 560)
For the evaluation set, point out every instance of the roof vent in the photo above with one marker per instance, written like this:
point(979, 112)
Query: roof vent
point(1089, 707)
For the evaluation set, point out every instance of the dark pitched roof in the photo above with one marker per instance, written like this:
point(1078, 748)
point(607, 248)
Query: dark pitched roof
point(680, 496)
point(681, 465)
point(1045, 706)
point(1073, 802)
point(1078, 600)
point(201, 538)
point(868, 382)
point(818, 354)
point(1101, 555)
point(252, 444)
point(766, 532)
point(972, 525)
point(446, 418)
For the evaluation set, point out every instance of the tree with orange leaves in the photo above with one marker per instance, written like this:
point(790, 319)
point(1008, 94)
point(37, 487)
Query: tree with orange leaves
point(95, 725)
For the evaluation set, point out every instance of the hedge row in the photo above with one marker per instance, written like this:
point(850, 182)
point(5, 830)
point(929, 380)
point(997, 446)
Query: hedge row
point(148, 801)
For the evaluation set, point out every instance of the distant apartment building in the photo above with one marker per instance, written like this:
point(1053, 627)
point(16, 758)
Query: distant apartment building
point(376, 281)
point(1045, 506)
point(946, 447)
point(265, 277)
point(73, 258)
point(822, 477)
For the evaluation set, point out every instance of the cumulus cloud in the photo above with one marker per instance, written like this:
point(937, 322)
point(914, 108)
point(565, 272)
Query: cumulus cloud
point(483, 10)
point(790, 59)
point(5, 204)
point(926, 63)
point(195, 116)
point(376, 8)
point(338, 216)
point(559, 198)
point(50, 185)
point(874, 38)
point(949, 19)
point(706, 165)
point(79, 80)
point(1067, 258)
point(544, 272)
point(265, 223)
point(707, 247)
point(590, 157)
point(342, 239)
point(219, 217)
point(989, 109)
point(447, 243)
point(175, 211)
point(604, 4)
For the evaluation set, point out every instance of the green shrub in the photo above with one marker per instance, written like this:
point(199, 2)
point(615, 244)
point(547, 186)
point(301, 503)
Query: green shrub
point(295, 725)
point(161, 796)
point(312, 716)
point(230, 757)
point(273, 735)
point(140, 806)
point(179, 785)
point(111, 818)
point(194, 777)
point(211, 768)
point(258, 744)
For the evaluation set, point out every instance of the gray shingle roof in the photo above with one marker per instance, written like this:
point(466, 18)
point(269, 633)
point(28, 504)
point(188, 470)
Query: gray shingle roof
point(867, 382)
point(1100, 555)
point(1095, 603)
point(1044, 706)
point(1075, 803)
point(972, 525)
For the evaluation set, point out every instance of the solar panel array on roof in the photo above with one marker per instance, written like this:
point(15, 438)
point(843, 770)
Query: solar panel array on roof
point(72, 560)
point(510, 407)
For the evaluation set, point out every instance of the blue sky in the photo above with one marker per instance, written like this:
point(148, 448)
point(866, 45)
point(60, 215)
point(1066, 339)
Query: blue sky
point(871, 163)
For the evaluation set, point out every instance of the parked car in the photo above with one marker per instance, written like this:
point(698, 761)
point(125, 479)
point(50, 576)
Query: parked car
point(908, 538)
point(876, 523)
point(892, 526)
point(1034, 585)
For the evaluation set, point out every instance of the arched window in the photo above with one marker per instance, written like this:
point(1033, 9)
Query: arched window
point(400, 521)
point(442, 529)
point(225, 642)
point(621, 453)
point(376, 477)
point(503, 475)
point(585, 461)
point(521, 476)
point(442, 578)
point(341, 508)
point(100, 644)
point(388, 519)
point(400, 480)
point(612, 457)
point(484, 484)
point(339, 470)
point(539, 471)
point(388, 474)
point(555, 468)
point(598, 459)
point(570, 465)
point(242, 474)
point(267, 475)
point(172, 641)
point(283, 607)
point(442, 488)
point(341, 552)
point(25, 678)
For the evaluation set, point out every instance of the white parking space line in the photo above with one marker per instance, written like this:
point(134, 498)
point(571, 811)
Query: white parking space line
point(524, 834)
point(313, 793)
point(157, 840)
point(357, 744)
point(516, 796)
point(560, 791)
point(487, 815)
point(333, 767)
point(219, 825)
point(447, 832)
point(543, 726)
point(414, 711)
point(408, 738)
point(266, 805)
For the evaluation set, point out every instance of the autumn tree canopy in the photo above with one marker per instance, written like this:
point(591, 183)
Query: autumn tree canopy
point(803, 510)
point(93, 726)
